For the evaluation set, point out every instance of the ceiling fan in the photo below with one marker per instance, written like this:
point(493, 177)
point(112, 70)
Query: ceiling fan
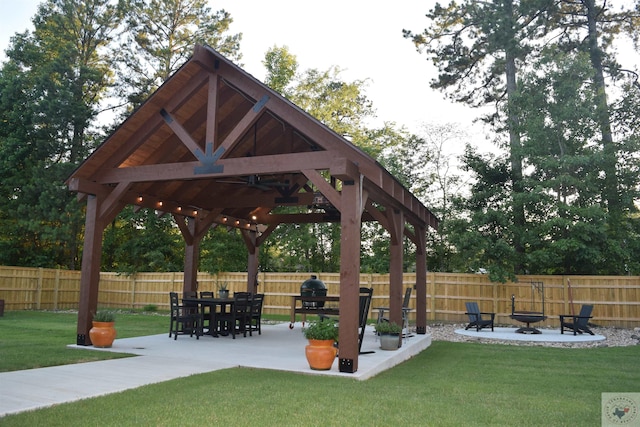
point(256, 181)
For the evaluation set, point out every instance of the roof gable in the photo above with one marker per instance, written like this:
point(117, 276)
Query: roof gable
point(215, 142)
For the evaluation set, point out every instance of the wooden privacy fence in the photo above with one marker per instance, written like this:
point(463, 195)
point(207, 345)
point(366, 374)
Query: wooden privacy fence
point(616, 299)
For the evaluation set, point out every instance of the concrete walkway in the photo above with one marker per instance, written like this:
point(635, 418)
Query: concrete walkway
point(161, 359)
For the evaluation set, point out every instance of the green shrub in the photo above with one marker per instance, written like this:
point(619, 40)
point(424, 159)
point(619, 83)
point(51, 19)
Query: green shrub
point(150, 308)
point(390, 328)
point(321, 330)
point(104, 316)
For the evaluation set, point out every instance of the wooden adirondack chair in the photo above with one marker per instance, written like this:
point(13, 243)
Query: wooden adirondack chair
point(578, 324)
point(476, 317)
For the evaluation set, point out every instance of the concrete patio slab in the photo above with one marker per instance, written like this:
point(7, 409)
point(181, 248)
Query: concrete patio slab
point(546, 335)
point(161, 359)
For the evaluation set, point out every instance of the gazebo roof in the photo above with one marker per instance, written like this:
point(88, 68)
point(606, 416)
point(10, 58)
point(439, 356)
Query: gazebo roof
point(213, 142)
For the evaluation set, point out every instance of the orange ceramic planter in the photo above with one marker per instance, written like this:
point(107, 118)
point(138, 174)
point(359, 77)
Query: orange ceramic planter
point(102, 334)
point(320, 354)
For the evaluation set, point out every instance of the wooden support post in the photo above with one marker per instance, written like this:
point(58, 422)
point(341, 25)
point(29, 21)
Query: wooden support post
point(421, 281)
point(350, 222)
point(90, 275)
point(191, 258)
point(250, 238)
point(192, 233)
point(396, 222)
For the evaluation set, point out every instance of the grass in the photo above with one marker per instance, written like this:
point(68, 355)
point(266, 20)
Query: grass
point(449, 384)
point(35, 339)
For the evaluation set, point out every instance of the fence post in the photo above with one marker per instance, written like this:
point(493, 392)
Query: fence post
point(565, 295)
point(431, 290)
point(39, 289)
point(133, 290)
point(56, 286)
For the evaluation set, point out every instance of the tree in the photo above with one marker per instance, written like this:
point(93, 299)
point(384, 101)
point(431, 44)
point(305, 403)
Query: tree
point(558, 122)
point(52, 85)
point(141, 242)
point(477, 47)
point(482, 233)
point(160, 37)
point(570, 225)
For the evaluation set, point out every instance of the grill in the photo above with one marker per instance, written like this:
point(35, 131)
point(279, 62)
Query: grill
point(313, 287)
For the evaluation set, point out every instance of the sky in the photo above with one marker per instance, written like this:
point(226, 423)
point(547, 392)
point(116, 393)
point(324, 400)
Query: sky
point(362, 38)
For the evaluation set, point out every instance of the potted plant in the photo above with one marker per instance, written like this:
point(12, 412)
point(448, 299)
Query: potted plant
point(321, 351)
point(223, 292)
point(389, 333)
point(103, 332)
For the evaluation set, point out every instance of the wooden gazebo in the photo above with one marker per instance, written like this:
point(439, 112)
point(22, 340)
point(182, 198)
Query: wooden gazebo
point(214, 146)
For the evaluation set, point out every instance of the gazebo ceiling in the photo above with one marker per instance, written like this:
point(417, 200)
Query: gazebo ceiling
point(214, 142)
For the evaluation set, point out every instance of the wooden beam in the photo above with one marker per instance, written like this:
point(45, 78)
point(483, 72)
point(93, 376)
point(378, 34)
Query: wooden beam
point(263, 236)
point(279, 163)
point(182, 134)
point(377, 214)
point(88, 187)
point(324, 187)
point(152, 124)
point(112, 204)
point(187, 236)
point(212, 108)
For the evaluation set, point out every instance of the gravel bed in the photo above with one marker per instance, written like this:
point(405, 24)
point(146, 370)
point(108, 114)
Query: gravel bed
point(614, 337)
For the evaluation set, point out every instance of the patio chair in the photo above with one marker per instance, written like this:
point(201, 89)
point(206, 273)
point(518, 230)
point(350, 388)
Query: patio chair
point(476, 317)
point(236, 320)
point(364, 304)
point(578, 324)
point(405, 312)
point(206, 310)
point(255, 314)
point(184, 319)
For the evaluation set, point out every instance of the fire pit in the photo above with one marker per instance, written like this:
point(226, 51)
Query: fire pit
point(529, 317)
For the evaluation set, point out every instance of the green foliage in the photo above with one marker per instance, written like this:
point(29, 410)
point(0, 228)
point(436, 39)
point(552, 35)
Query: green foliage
point(281, 66)
point(555, 202)
point(321, 330)
point(52, 85)
point(222, 249)
point(104, 316)
point(388, 328)
point(142, 242)
point(160, 37)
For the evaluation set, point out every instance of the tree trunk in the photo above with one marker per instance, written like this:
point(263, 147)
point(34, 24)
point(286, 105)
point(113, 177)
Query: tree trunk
point(514, 141)
point(610, 191)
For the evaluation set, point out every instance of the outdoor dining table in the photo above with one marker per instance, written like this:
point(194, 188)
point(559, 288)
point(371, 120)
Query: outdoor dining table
point(309, 305)
point(217, 306)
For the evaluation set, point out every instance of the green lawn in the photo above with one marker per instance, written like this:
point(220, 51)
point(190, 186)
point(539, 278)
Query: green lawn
point(449, 384)
point(50, 332)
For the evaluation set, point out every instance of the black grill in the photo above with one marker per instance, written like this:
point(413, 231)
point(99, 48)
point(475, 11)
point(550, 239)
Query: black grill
point(313, 287)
